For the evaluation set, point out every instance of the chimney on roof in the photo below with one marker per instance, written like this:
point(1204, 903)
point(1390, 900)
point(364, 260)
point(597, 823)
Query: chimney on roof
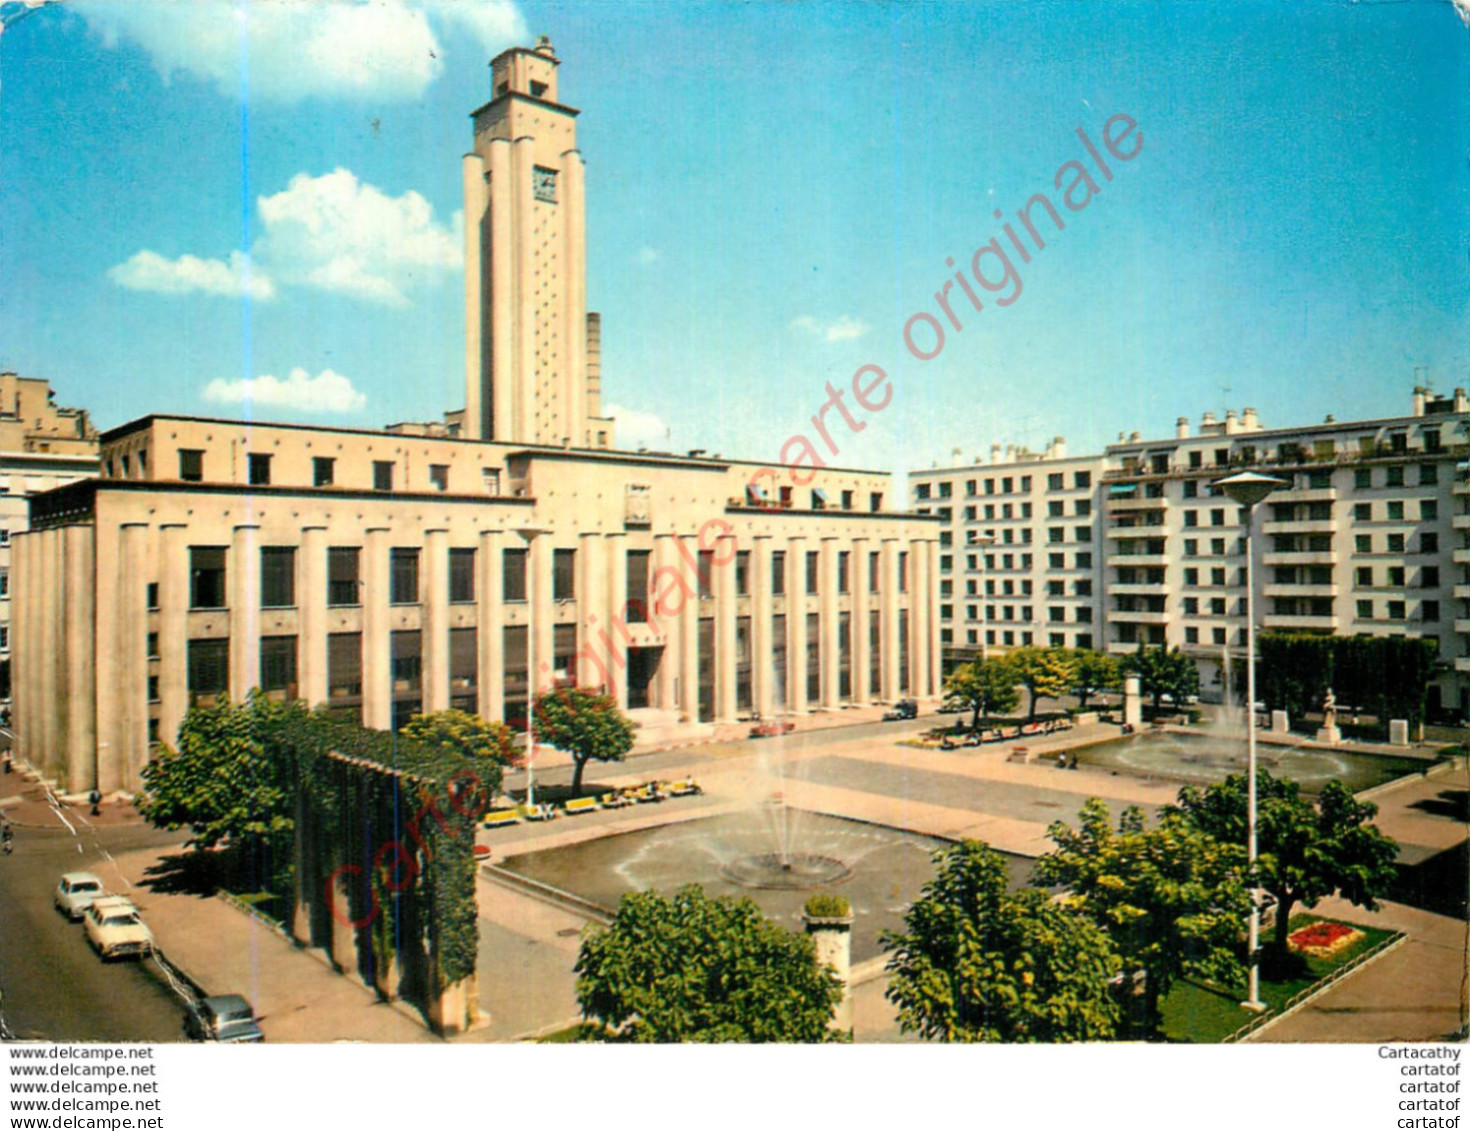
point(1248, 421)
point(1419, 391)
point(1207, 421)
point(1181, 428)
point(1232, 425)
point(994, 453)
point(1059, 447)
point(1462, 404)
point(1134, 437)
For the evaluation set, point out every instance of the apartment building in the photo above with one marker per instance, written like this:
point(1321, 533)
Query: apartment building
point(42, 446)
point(1369, 533)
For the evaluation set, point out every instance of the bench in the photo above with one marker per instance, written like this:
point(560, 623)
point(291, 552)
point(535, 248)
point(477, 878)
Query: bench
point(686, 788)
point(499, 818)
point(615, 800)
point(649, 792)
point(1018, 754)
point(581, 805)
point(538, 812)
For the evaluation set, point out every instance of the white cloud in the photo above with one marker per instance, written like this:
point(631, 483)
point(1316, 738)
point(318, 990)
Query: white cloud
point(338, 234)
point(635, 427)
point(647, 256)
point(149, 271)
point(285, 52)
point(332, 233)
point(328, 391)
point(845, 328)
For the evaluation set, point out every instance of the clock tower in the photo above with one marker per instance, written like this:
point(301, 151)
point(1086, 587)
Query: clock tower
point(530, 375)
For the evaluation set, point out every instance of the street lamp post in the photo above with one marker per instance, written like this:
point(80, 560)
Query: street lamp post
point(983, 542)
point(1248, 488)
point(530, 533)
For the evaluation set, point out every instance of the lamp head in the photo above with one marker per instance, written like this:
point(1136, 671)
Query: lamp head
point(1249, 487)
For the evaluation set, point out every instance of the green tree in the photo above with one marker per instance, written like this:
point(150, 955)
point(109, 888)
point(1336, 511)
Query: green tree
point(225, 778)
point(490, 746)
point(1171, 898)
point(984, 687)
point(1161, 672)
point(1096, 672)
point(690, 968)
point(1305, 851)
point(1048, 673)
point(587, 724)
point(980, 963)
point(1294, 671)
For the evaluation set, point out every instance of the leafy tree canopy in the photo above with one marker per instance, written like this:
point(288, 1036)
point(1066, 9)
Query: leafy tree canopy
point(489, 745)
point(1096, 672)
point(979, 963)
point(587, 724)
point(1305, 851)
point(1048, 673)
point(1162, 671)
point(225, 778)
point(690, 968)
point(1171, 898)
point(984, 687)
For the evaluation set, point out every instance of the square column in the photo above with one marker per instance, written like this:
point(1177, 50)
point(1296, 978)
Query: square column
point(243, 579)
point(796, 624)
point(723, 583)
point(668, 614)
point(543, 613)
point(617, 599)
point(311, 640)
point(78, 550)
point(435, 633)
point(931, 592)
point(595, 665)
point(919, 621)
point(827, 605)
point(377, 671)
point(173, 630)
point(762, 643)
point(490, 625)
point(888, 608)
point(132, 611)
point(857, 586)
point(688, 631)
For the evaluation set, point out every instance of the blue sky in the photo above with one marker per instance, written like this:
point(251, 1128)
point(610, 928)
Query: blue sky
point(197, 195)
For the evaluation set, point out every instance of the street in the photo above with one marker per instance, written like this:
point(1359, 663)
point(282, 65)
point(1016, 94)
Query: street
point(54, 986)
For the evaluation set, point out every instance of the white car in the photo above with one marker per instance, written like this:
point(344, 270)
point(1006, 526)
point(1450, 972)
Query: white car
point(114, 928)
point(75, 893)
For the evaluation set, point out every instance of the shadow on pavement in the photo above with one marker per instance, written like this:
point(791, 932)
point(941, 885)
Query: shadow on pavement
point(1453, 804)
point(1438, 884)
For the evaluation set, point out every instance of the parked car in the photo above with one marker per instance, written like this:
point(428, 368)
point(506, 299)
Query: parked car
point(114, 928)
point(226, 1018)
point(903, 709)
point(75, 893)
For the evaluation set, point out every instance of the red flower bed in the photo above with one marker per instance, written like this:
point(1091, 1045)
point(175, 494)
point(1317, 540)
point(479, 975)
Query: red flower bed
point(1323, 939)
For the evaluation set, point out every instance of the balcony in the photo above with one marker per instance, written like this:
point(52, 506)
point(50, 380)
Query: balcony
point(1462, 663)
point(1126, 647)
point(1300, 557)
point(1137, 588)
point(1300, 526)
point(1462, 624)
point(1141, 559)
point(1462, 557)
point(1304, 495)
point(1282, 621)
point(1131, 505)
point(1328, 590)
point(1138, 617)
point(1462, 487)
point(1462, 592)
point(1461, 521)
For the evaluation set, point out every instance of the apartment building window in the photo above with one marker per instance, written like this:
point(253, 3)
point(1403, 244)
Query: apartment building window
point(1395, 543)
point(1084, 560)
point(1082, 479)
point(844, 562)
point(1217, 606)
point(1056, 589)
point(1056, 561)
point(1365, 610)
point(1362, 512)
point(990, 486)
point(1217, 516)
point(778, 573)
point(1362, 478)
point(1363, 576)
point(1191, 606)
point(1428, 472)
point(382, 475)
point(1428, 510)
point(1191, 486)
point(1191, 547)
point(277, 577)
point(945, 490)
point(1025, 510)
point(1396, 510)
point(1055, 534)
point(260, 469)
point(921, 491)
point(875, 501)
point(404, 576)
point(323, 471)
point(343, 574)
point(1394, 476)
point(1191, 635)
point(1363, 543)
point(4, 536)
point(1217, 636)
point(946, 612)
point(209, 667)
point(461, 576)
point(989, 512)
point(1217, 547)
point(1429, 542)
point(206, 577)
point(1429, 577)
point(153, 645)
point(344, 670)
point(1056, 613)
point(191, 465)
point(946, 564)
point(706, 574)
point(636, 595)
point(1191, 519)
point(1396, 610)
point(1054, 508)
point(903, 572)
point(1054, 481)
point(278, 663)
point(513, 575)
point(153, 685)
point(1084, 508)
point(152, 594)
point(490, 480)
point(564, 575)
point(439, 476)
point(1429, 611)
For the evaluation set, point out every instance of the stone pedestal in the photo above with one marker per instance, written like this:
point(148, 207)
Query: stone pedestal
point(832, 937)
point(1332, 734)
point(1398, 732)
point(1132, 702)
point(1280, 722)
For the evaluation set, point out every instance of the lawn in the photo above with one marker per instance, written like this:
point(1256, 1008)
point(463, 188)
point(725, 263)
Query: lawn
point(1198, 1014)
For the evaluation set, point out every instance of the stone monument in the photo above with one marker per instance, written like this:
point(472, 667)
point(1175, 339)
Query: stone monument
point(1329, 732)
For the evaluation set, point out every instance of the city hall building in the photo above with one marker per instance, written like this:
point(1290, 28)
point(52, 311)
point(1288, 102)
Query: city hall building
point(385, 573)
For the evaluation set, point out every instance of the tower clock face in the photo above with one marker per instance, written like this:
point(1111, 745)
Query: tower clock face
point(543, 183)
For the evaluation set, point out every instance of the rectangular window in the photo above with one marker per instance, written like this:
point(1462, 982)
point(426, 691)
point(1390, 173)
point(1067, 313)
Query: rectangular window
point(564, 575)
point(439, 476)
point(278, 664)
point(191, 465)
point(1363, 543)
point(407, 665)
point(382, 475)
point(1395, 543)
point(903, 574)
point(742, 573)
point(1428, 472)
point(343, 566)
point(513, 575)
point(206, 577)
point(706, 571)
point(637, 592)
point(323, 469)
point(209, 667)
point(1396, 610)
point(344, 671)
point(1428, 510)
point(1362, 477)
point(277, 577)
point(1394, 476)
point(778, 573)
point(1082, 479)
point(152, 592)
point(1365, 610)
point(260, 470)
point(461, 576)
point(1429, 611)
point(464, 668)
point(1396, 510)
point(1429, 542)
point(404, 588)
point(1364, 576)
point(844, 563)
point(875, 571)
point(1362, 512)
point(813, 570)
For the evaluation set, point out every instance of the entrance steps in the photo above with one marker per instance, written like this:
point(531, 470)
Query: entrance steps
point(659, 728)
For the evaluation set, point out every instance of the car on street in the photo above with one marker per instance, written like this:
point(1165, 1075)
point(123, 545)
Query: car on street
point(226, 1018)
point(114, 928)
point(903, 709)
point(75, 893)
